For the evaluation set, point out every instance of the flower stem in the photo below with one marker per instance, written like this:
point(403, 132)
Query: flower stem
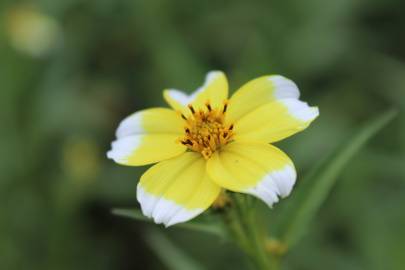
point(247, 231)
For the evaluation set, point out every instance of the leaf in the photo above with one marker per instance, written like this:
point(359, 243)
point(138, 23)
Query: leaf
point(209, 225)
point(301, 208)
point(130, 213)
point(169, 254)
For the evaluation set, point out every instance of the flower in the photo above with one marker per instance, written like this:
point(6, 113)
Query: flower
point(207, 143)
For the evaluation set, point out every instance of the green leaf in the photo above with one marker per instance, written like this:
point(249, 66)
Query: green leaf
point(301, 208)
point(169, 254)
point(210, 225)
point(130, 213)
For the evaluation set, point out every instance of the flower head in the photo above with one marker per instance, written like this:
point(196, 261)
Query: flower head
point(209, 142)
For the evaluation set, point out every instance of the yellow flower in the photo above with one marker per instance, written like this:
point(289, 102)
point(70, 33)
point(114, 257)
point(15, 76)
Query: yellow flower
point(209, 142)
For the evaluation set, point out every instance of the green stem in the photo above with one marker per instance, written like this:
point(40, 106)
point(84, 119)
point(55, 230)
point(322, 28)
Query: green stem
point(248, 232)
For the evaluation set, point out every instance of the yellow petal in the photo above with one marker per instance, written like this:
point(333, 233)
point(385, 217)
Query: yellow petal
point(176, 190)
point(139, 150)
point(214, 90)
point(148, 136)
point(258, 92)
point(151, 121)
point(259, 169)
point(275, 121)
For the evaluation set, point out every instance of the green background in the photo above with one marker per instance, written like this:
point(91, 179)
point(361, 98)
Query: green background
point(105, 59)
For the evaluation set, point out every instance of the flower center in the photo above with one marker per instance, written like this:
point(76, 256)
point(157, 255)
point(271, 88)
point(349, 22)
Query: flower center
point(205, 129)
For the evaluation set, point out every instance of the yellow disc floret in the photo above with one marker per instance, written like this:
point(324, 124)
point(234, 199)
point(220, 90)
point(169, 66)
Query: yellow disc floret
point(205, 129)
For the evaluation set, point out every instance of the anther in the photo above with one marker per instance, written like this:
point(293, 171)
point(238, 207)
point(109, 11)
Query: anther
point(231, 127)
point(191, 108)
point(182, 116)
point(189, 142)
point(208, 106)
point(225, 108)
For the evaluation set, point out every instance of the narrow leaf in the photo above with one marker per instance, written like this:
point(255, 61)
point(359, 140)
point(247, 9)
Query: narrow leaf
point(168, 253)
point(130, 213)
point(301, 208)
point(207, 225)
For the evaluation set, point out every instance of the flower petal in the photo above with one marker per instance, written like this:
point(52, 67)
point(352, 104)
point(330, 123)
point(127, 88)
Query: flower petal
point(148, 136)
point(151, 121)
point(258, 92)
point(214, 89)
point(176, 190)
point(138, 150)
point(275, 121)
point(259, 169)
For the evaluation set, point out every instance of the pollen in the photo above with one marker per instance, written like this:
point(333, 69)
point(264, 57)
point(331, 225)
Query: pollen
point(205, 129)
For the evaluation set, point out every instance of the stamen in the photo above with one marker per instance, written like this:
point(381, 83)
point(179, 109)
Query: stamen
point(225, 107)
point(188, 142)
point(205, 130)
point(191, 108)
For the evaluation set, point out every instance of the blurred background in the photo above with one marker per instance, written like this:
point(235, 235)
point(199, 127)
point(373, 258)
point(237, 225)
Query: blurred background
point(70, 70)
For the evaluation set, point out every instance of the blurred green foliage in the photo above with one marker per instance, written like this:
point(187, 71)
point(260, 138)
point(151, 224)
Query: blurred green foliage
point(70, 70)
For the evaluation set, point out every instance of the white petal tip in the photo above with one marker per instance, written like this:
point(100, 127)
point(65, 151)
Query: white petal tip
point(212, 75)
point(163, 211)
point(123, 148)
point(274, 185)
point(209, 78)
point(109, 154)
point(178, 96)
point(131, 125)
point(185, 99)
point(284, 88)
point(301, 110)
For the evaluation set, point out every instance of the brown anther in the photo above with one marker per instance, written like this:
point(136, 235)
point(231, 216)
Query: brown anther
point(191, 108)
point(182, 116)
point(225, 108)
point(208, 106)
point(189, 142)
point(231, 127)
